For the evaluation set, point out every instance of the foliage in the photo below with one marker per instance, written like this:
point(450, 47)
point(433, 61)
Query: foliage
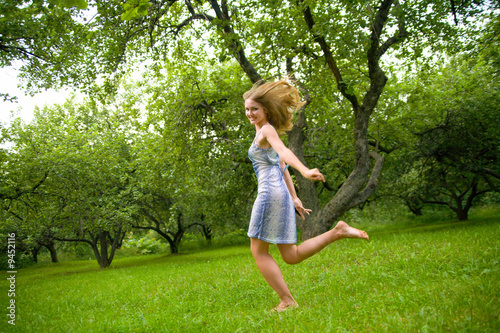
point(135, 8)
point(82, 155)
point(116, 166)
point(449, 139)
point(148, 244)
point(44, 35)
point(222, 238)
point(77, 41)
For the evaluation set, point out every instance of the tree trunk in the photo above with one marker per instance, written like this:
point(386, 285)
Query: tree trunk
point(102, 255)
point(173, 239)
point(105, 241)
point(462, 214)
point(107, 246)
point(306, 189)
point(414, 207)
point(34, 252)
point(413, 203)
point(351, 193)
point(358, 187)
point(52, 249)
point(174, 246)
point(208, 235)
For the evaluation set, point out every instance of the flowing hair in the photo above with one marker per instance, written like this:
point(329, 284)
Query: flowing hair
point(279, 100)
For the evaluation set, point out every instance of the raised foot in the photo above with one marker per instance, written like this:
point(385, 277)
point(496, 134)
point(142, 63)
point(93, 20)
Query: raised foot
point(283, 307)
point(347, 231)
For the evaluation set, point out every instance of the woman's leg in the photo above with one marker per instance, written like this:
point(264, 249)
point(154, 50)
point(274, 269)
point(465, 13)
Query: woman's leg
point(293, 254)
point(271, 272)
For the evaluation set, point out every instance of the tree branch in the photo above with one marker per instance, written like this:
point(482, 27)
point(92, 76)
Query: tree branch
point(8, 48)
point(400, 35)
point(375, 143)
point(232, 42)
point(491, 172)
point(21, 192)
point(436, 202)
point(332, 64)
point(377, 76)
point(175, 29)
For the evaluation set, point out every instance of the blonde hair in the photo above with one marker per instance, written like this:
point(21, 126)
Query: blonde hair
point(279, 100)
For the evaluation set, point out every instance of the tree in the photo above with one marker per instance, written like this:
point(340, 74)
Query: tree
point(154, 193)
point(84, 151)
point(465, 144)
point(20, 186)
point(450, 153)
point(363, 179)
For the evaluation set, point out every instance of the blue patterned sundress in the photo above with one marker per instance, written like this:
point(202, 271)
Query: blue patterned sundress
point(273, 213)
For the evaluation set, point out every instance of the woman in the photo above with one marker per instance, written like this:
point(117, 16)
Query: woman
point(270, 108)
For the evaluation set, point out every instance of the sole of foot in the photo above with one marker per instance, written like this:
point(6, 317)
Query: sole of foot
point(350, 232)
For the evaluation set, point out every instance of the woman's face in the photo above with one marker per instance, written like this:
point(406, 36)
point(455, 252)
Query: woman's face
point(255, 113)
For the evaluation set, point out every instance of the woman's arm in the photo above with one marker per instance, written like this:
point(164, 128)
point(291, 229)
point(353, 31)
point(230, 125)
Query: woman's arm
point(291, 188)
point(287, 156)
point(288, 180)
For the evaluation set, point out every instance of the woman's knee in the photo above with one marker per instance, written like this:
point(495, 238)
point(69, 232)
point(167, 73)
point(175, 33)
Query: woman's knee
point(258, 247)
point(289, 254)
point(258, 254)
point(291, 260)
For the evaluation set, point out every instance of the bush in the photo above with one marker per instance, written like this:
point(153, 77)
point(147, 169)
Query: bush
point(147, 244)
point(220, 238)
point(77, 250)
point(21, 260)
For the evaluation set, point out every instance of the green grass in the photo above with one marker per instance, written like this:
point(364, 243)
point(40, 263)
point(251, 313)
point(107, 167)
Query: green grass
point(431, 278)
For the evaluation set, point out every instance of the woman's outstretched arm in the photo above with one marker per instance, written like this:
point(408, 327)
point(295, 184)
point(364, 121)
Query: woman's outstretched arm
point(287, 156)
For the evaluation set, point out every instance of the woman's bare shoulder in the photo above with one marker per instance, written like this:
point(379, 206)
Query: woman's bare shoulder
point(268, 129)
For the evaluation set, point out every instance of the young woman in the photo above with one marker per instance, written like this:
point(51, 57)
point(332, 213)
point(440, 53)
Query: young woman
point(270, 108)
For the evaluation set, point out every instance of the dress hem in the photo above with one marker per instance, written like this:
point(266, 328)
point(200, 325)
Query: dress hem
point(272, 242)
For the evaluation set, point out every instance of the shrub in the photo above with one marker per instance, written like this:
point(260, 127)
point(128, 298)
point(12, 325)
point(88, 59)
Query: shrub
point(147, 244)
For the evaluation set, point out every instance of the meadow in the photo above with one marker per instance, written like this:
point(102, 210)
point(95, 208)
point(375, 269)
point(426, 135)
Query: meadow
point(442, 277)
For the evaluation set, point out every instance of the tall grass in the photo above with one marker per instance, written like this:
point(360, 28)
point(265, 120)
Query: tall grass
point(433, 278)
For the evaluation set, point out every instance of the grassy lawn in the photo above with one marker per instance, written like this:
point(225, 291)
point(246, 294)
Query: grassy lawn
point(435, 278)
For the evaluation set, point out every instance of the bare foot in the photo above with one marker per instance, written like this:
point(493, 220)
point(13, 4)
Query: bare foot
point(346, 231)
point(285, 306)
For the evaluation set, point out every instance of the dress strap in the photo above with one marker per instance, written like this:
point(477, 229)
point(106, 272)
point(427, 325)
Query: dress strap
point(258, 133)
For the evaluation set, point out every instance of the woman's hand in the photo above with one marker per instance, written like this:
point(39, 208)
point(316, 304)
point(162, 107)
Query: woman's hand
point(314, 174)
point(300, 208)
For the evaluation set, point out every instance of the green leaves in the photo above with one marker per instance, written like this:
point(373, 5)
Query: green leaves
point(83, 149)
point(135, 8)
point(80, 4)
point(444, 119)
